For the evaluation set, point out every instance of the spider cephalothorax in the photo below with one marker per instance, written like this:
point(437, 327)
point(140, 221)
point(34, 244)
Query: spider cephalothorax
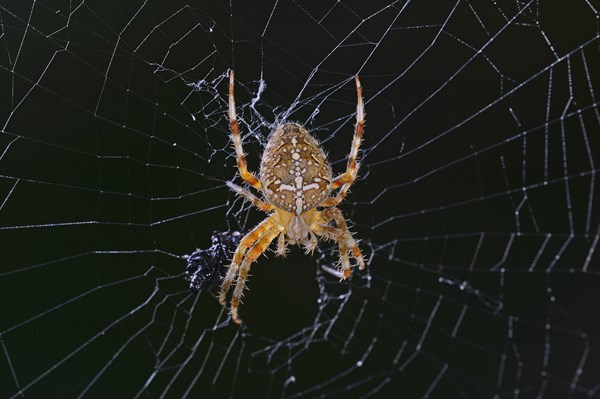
point(295, 179)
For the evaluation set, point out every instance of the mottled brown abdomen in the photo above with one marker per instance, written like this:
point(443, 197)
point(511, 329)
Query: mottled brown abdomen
point(294, 170)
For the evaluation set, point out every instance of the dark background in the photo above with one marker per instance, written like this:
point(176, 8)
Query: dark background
point(476, 203)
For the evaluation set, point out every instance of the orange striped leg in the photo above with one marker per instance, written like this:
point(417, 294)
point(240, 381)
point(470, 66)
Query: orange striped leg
point(349, 176)
point(246, 242)
point(334, 201)
point(336, 215)
point(257, 249)
point(335, 234)
point(237, 141)
point(263, 206)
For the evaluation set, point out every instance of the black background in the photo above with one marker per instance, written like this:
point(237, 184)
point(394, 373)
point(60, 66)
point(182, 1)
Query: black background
point(107, 180)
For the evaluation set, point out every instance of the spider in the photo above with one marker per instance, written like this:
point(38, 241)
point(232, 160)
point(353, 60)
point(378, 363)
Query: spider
point(295, 180)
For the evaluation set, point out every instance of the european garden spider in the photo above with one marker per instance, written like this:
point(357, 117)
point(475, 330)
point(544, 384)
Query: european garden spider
point(295, 179)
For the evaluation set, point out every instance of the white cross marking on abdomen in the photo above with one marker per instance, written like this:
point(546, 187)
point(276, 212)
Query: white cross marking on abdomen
point(312, 186)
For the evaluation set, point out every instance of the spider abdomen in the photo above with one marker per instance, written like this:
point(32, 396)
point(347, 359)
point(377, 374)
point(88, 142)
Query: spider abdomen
point(294, 170)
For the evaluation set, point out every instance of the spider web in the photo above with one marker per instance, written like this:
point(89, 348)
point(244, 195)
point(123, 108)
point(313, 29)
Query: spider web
point(476, 204)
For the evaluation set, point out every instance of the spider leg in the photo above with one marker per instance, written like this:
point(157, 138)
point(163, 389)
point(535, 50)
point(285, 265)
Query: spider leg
point(249, 239)
point(336, 234)
point(311, 244)
point(334, 201)
point(263, 206)
point(257, 249)
point(342, 235)
point(237, 141)
point(350, 174)
point(340, 221)
point(281, 246)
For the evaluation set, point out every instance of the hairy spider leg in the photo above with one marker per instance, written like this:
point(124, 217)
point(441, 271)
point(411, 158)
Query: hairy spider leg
point(336, 215)
point(237, 141)
point(257, 249)
point(281, 247)
point(311, 244)
point(336, 234)
point(349, 175)
point(248, 241)
point(263, 206)
point(334, 201)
